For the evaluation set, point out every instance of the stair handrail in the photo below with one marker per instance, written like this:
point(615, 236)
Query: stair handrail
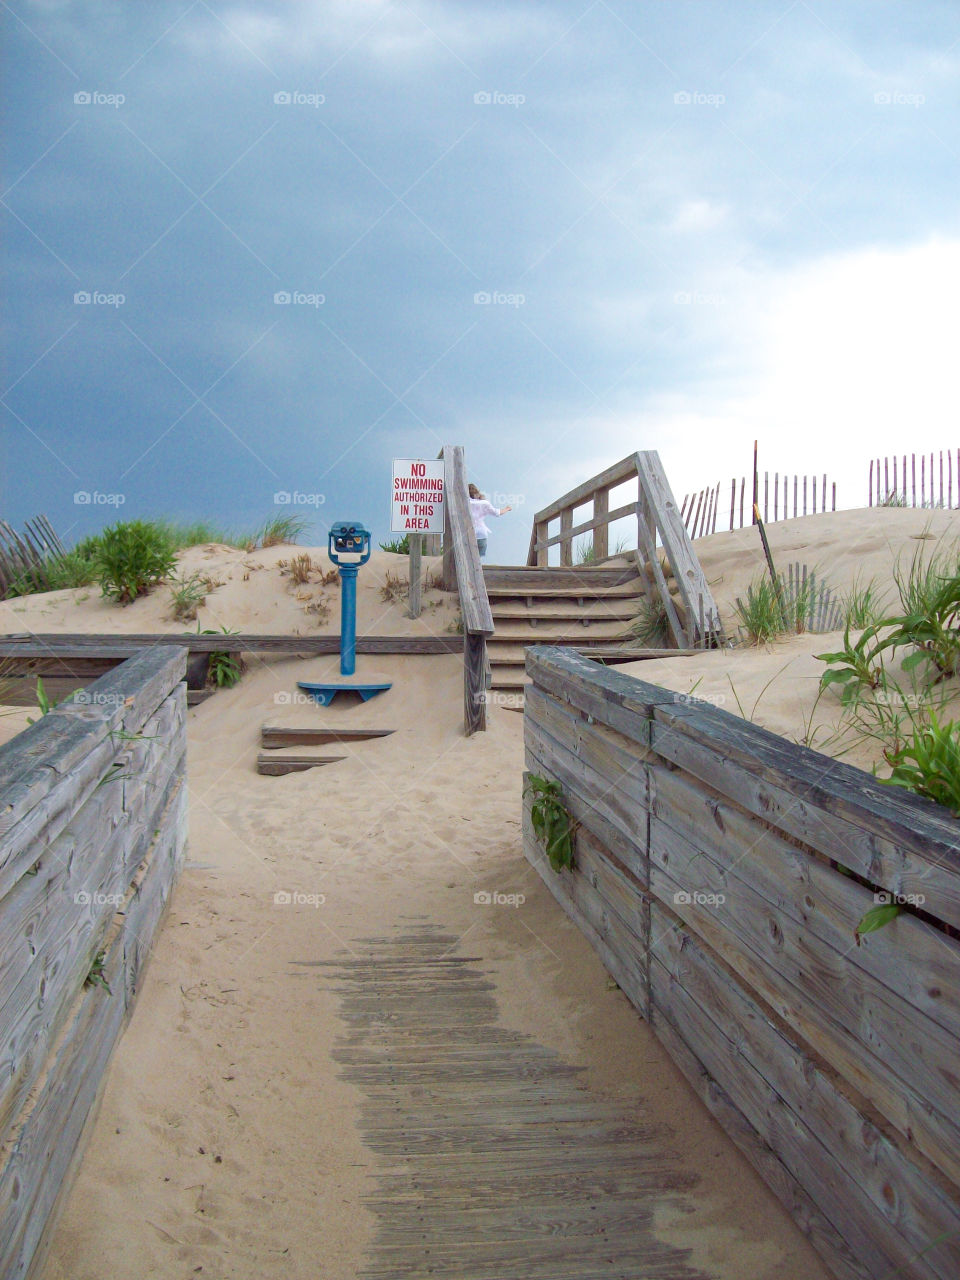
point(596, 488)
point(463, 572)
point(655, 511)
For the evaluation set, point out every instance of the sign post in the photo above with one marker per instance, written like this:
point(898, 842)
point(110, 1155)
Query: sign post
point(417, 502)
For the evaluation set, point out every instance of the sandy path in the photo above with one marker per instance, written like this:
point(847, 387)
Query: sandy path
point(228, 1143)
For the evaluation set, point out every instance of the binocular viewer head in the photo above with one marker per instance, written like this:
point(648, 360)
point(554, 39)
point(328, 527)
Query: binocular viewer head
point(348, 543)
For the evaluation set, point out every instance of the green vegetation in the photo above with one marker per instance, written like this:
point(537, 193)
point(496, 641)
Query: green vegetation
point(651, 627)
point(188, 595)
point(96, 976)
point(132, 557)
point(552, 824)
point(921, 748)
point(225, 668)
point(862, 605)
point(397, 546)
point(760, 613)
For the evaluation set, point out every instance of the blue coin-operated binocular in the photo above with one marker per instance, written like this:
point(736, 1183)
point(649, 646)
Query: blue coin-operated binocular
point(348, 538)
point(348, 546)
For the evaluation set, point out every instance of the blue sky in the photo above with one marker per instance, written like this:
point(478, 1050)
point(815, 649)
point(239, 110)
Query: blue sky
point(697, 222)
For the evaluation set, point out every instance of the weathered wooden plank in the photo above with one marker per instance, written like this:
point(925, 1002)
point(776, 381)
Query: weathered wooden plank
point(825, 1238)
point(277, 766)
point(67, 647)
point(415, 543)
point(474, 682)
point(275, 736)
point(619, 472)
point(856, 1171)
point(621, 952)
point(591, 578)
point(63, 912)
point(619, 806)
point(474, 606)
point(899, 841)
point(656, 493)
point(819, 899)
point(596, 525)
point(906, 1066)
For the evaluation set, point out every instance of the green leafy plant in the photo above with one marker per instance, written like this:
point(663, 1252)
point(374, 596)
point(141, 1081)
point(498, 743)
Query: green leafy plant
point(929, 762)
point(225, 668)
point(876, 918)
point(44, 701)
point(397, 546)
point(132, 557)
point(96, 977)
point(552, 824)
point(858, 665)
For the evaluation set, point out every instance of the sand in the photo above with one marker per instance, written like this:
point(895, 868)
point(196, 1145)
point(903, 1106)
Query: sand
point(227, 1143)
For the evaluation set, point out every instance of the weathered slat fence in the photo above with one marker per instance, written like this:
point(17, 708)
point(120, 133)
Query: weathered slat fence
point(463, 572)
point(899, 485)
point(721, 873)
point(780, 497)
point(92, 836)
point(658, 522)
point(24, 556)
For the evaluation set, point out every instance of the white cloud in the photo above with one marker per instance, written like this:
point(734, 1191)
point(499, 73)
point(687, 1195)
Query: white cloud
point(850, 357)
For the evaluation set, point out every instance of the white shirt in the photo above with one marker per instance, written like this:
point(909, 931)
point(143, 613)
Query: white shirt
point(480, 507)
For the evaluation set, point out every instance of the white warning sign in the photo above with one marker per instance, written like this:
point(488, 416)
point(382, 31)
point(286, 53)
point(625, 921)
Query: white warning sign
point(417, 502)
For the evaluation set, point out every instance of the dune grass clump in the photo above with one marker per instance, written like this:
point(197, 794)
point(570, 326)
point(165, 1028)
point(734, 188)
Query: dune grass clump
point(651, 627)
point(862, 605)
point(760, 612)
point(132, 556)
point(281, 529)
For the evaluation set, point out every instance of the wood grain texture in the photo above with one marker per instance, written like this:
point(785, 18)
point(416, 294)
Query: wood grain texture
point(491, 1156)
point(706, 878)
point(92, 837)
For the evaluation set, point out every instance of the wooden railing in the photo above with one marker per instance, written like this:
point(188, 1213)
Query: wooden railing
point(721, 873)
point(657, 520)
point(463, 572)
point(595, 491)
point(92, 837)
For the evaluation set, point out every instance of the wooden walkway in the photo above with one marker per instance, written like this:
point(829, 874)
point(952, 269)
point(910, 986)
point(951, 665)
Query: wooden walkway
point(495, 1160)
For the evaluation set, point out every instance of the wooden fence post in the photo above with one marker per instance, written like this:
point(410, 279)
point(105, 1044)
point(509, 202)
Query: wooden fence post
point(415, 542)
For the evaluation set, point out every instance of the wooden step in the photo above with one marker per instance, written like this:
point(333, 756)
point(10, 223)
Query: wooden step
point(276, 766)
point(275, 736)
point(516, 609)
point(519, 579)
point(502, 656)
point(559, 633)
point(570, 591)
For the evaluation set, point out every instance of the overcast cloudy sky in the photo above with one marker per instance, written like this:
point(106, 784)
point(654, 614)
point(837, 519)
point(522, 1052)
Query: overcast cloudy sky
point(696, 222)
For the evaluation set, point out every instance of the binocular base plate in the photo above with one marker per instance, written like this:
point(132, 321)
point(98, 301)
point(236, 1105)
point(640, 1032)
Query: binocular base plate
point(324, 694)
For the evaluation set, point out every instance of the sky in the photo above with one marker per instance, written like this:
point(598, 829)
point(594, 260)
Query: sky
point(262, 249)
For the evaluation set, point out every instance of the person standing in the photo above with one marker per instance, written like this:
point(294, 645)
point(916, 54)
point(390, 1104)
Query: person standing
point(480, 508)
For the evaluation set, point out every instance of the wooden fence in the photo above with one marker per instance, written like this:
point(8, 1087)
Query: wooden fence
point(779, 498)
point(463, 572)
point(721, 873)
point(899, 487)
point(92, 832)
point(24, 556)
point(657, 523)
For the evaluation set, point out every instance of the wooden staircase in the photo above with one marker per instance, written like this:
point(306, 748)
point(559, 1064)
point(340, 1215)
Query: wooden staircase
point(583, 607)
